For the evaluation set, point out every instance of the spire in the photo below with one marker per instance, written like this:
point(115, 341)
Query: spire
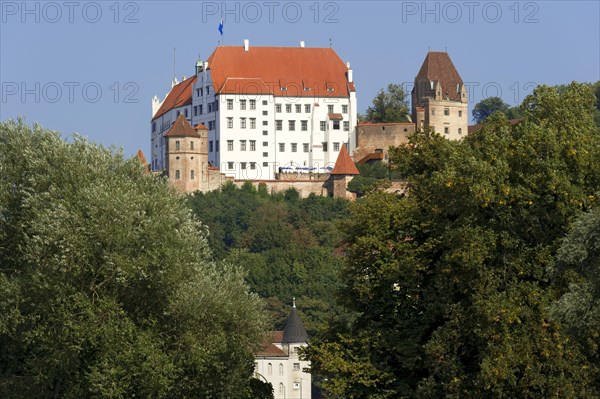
point(344, 164)
point(294, 331)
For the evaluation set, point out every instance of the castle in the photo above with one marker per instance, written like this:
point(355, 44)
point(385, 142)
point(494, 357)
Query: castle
point(287, 117)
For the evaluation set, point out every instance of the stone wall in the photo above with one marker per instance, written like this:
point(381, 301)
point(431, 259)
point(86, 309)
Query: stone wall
point(379, 137)
point(304, 187)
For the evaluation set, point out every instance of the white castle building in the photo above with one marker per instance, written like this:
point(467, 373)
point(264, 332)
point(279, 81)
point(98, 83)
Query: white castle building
point(267, 109)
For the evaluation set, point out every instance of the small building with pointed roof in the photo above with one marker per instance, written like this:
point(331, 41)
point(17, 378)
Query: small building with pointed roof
point(278, 362)
point(343, 171)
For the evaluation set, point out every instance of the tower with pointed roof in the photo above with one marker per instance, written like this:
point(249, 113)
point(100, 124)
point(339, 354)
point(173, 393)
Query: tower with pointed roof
point(440, 98)
point(187, 155)
point(342, 173)
point(278, 361)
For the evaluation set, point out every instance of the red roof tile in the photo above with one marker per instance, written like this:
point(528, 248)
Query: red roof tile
point(335, 117)
point(344, 164)
point(281, 71)
point(180, 95)
point(142, 158)
point(268, 347)
point(439, 67)
point(200, 126)
point(181, 128)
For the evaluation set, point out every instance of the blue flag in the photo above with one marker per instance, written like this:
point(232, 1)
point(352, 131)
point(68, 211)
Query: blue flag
point(221, 27)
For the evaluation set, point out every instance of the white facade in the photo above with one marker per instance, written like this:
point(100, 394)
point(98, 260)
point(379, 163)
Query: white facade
point(285, 373)
point(253, 136)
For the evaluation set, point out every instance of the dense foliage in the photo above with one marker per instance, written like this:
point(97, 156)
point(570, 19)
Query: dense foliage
point(487, 107)
point(286, 244)
point(389, 105)
point(456, 286)
point(106, 284)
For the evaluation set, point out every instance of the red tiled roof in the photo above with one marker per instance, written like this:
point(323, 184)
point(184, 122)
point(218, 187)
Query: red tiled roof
point(180, 95)
point(335, 117)
point(439, 67)
point(142, 158)
point(281, 71)
point(268, 347)
point(181, 128)
point(200, 126)
point(344, 164)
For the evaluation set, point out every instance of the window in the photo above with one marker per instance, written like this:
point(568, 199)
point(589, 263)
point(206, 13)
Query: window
point(281, 388)
point(252, 165)
point(229, 104)
point(269, 369)
point(277, 107)
point(230, 165)
point(243, 165)
point(265, 132)
point(346, 126)
point(336, 125)
point(186, 112)
point(336, 147)
point(192, 145)
point(265, 102)
point(211, 125)
point(265, 144)
point(296, 366)
point(330, 109)
point(344, 109)
point(229, 145)
point(153, 127)
point(192, 174)
point(446, 130)
point(195, 110)
point(288, 108)
point(210, 107)
point(210, 146)
point(200, 109)
point(217, 146)
point(198, 92)
point(279, 125)
point(304, 125)
point(252, 145)
point(459, 113)
point(242, 123)
point(281, 147)
point(266, 164)
point(294, 147)
point(281, 369)
point(324, 147)
point(292, 125)
point(265, 123)
point(459, 130)
point(252, 104)
point(446, 111)
point(252, 123)
point(265, 154)
point(230, 123)
point(265, 113)
point(298, 108)
point(242, 145)
point(242, 104)
point(323, 125)
point(177, 174)
point(305, 147)
point(177, 145)
point(307, 108)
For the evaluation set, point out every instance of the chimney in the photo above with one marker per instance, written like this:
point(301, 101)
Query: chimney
point(350, 78)
point(246, 44)
point(302, 43)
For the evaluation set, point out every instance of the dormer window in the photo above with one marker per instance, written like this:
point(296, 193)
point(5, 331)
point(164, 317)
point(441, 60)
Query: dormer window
point(307, 89)
point(283, 88)
point(330, 89)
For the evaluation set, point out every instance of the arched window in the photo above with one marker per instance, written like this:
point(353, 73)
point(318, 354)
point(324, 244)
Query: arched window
point(280, 368)
point(269, 368)
point(281, 388)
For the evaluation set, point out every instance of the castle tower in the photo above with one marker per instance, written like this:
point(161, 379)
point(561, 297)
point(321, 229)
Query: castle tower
point(343, 171)
point(440, 98)
point(187, 155)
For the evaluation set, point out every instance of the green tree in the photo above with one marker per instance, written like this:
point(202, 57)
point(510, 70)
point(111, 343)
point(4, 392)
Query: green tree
point(487, 107)
point(106, 284)
point(390, 105)
point(452, 286)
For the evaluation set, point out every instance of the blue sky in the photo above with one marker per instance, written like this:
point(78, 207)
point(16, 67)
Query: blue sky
point(93, 67)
